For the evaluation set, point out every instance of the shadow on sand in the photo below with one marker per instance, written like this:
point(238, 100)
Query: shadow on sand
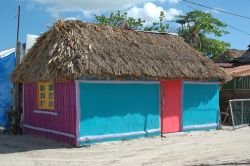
point(247, 162)
point(23, 143)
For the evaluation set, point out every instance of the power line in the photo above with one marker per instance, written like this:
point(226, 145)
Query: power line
point(237, 29)
point(234, 14)
point(188, 6)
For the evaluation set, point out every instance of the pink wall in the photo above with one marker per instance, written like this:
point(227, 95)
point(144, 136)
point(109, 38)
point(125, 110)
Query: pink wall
point(53, 127)
point(172, 103)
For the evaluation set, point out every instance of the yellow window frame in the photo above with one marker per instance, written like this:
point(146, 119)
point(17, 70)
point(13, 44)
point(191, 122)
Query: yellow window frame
point(48, 96)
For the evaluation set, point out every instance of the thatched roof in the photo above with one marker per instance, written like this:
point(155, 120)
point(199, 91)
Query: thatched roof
point(239, 71)
point(244, 59)
point(74, 49)
point(229, 55)
point(239, 67)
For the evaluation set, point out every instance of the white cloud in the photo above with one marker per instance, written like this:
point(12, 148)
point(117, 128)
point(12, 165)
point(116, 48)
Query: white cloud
point(54, 11)
point(150, 12)
point(90, 7)
point(172, 13)
point(170, 1)
point(173, 1)
point(55, 7)
point(71, 18)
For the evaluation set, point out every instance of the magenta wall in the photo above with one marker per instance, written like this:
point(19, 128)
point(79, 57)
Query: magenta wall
point(63, 122)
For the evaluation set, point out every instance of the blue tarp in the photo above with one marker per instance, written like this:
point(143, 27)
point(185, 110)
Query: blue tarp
point(7, 65)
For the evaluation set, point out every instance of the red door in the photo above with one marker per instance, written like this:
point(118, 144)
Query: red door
point(171, 106)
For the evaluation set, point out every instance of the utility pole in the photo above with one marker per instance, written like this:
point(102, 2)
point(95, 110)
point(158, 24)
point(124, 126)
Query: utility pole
point(16, 102)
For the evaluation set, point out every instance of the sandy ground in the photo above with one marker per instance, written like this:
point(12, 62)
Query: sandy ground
point(221, 147)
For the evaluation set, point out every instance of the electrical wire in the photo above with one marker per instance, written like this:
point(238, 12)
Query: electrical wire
point(237, 29)
point(233, 27)
point(234, 14)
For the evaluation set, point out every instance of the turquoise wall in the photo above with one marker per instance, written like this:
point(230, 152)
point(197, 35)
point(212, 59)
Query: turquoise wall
point(115, 108)
point(200, 106)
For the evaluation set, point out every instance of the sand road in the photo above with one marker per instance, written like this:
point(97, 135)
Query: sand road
point(221, 147)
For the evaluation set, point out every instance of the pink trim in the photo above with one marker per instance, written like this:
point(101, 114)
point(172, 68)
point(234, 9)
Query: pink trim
point(51, 136)
point(45, 112)
point(49, 131)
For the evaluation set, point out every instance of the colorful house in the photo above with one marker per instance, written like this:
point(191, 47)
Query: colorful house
point(87, 83)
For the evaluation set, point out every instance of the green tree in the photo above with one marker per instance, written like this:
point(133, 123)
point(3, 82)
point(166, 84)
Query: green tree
point(119, 19)
point(160, 26)
point(195, 28)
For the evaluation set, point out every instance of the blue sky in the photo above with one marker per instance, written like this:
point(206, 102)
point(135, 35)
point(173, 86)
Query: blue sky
point(37, 15)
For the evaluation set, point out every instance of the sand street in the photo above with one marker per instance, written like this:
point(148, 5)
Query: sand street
point(221, 147)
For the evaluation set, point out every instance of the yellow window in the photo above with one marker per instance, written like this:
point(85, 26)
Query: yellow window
point(45, 93)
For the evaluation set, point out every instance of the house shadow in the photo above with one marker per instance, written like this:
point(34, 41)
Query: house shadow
point(247, 162)
point(23, 143)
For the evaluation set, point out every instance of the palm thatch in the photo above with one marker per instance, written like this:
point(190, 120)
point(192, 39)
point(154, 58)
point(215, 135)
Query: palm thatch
point(73, 50)
point(239, 71)
point(229, 55)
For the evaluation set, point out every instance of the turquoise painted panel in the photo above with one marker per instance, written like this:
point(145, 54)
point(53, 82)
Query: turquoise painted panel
point(116, 108)
point(200, 106)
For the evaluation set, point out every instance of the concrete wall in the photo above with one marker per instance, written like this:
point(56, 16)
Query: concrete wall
point(200, 105)
point(115, 110)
